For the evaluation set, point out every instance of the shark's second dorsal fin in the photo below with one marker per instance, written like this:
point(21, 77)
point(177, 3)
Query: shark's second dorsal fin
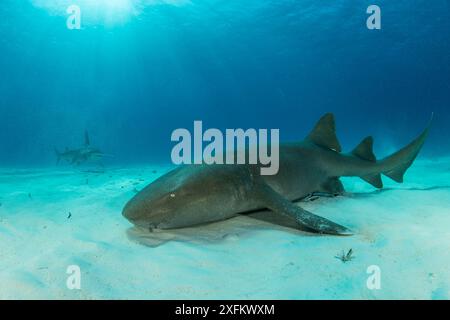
point(364, 150)
point(324, 133)
point(86, 138)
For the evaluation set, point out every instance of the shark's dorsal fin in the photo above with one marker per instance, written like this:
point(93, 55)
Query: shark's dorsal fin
point(86, 138)
point(364, 150)
point(324, 133)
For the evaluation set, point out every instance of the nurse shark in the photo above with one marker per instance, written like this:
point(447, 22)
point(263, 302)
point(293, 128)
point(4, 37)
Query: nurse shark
point(192, 195)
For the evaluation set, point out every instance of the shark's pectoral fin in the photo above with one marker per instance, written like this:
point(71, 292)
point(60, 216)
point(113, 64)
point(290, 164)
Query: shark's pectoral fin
point(279, 204)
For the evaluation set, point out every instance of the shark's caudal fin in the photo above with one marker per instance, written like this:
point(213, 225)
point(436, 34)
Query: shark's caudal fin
point(324, 133)
point(395, 165)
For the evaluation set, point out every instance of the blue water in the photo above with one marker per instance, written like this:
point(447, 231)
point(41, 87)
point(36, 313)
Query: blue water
point(139, 69)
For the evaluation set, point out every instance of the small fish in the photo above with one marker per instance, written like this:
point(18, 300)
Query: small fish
point(345, 257)
point(310, 197)
point(70, 215)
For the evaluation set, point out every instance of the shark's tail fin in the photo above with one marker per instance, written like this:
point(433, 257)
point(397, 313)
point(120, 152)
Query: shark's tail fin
point(395, 165)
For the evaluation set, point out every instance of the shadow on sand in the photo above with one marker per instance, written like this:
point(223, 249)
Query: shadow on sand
point(228, 230)
point(376, 192)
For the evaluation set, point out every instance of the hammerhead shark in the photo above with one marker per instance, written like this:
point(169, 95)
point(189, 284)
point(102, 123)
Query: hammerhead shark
point(191, 195)
point(80, 155)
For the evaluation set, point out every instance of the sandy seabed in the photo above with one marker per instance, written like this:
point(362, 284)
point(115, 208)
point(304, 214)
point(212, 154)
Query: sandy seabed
point(53, 218)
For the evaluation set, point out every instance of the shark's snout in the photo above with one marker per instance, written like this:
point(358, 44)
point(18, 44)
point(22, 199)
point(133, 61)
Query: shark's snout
point(142, 213)
point(133, 213)
point(129, 212)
